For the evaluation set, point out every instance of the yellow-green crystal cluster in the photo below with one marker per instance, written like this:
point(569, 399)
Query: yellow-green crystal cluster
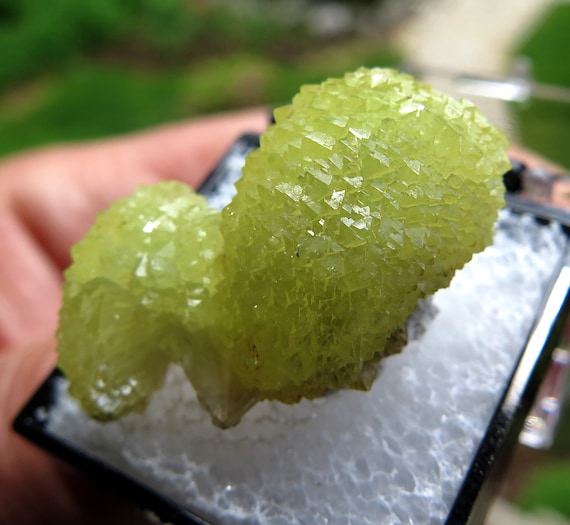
point(138, 292)
point(367, 194)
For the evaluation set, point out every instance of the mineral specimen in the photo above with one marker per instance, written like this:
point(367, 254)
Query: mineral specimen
point(137, 291)
point(366, 195)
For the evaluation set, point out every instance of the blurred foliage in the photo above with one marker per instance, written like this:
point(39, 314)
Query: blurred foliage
point(37, 35)
point(41, 36)
point(88, 102)
point(544, 124)
point(549, 47)
point(84, 69)
point(549, 488)
point(93, 100)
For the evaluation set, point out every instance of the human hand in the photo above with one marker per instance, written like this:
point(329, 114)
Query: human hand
point(48, 200)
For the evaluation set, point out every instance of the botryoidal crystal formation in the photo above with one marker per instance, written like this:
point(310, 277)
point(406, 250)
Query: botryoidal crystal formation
point(366, 195)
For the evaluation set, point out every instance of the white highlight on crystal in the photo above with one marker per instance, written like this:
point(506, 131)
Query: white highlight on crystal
point(149, 227)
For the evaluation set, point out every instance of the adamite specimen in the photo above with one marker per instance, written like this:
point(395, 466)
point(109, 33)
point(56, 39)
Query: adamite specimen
point(138, 290)
point(366, 195)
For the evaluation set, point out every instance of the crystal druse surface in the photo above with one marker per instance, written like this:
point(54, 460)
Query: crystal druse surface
point(365, 196)
point(134, 295)
point(397, 454)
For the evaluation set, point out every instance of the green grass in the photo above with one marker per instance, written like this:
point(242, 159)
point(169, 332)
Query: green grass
point(90, 100)
point(545, 125)
point(80, 70)
point(548, 489)
point(549, 47)
point(38, 36)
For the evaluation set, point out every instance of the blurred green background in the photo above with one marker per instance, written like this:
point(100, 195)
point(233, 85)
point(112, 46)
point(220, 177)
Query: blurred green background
point(544, 123)
point(74, 70)
point(80, 69)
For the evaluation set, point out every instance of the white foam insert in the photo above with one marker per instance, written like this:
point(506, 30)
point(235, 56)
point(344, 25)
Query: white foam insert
point(396, 454)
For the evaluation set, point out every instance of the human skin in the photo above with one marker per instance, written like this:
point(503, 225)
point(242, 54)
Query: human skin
point(48, 200)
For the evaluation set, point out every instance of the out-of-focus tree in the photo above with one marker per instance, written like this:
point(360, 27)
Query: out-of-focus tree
point(38, 35)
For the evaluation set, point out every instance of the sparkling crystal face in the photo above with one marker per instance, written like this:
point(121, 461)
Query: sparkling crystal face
point(367, 195)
